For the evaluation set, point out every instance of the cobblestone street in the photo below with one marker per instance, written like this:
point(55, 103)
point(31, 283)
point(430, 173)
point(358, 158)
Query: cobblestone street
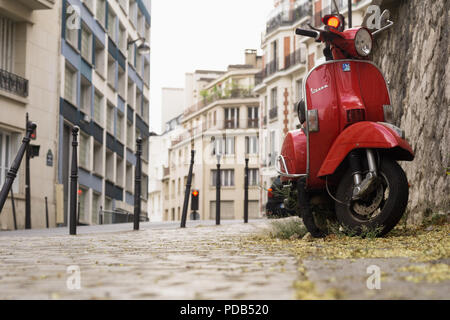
point(200, 262)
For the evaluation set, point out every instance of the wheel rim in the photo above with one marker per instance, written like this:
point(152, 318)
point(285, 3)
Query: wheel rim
point(371, 207)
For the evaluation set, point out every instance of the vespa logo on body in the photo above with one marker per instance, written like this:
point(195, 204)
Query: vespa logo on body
point(318, 89)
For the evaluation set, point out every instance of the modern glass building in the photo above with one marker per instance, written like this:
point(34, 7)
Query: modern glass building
point(104, 89)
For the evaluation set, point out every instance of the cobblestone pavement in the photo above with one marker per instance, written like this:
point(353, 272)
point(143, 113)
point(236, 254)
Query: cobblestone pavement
point(199, 262)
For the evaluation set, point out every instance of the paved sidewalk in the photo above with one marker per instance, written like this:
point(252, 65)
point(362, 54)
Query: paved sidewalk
point(200, 262)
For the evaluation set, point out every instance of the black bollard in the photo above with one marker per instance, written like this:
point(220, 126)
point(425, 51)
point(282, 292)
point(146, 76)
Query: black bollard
point(13, 209)
point(74, 182)
point(46, 212)
point(349, 13)
point(12, 173)
point(246, 193)
point(27, 184)
point(218, 184)
point(137, 184)
point(187, 192)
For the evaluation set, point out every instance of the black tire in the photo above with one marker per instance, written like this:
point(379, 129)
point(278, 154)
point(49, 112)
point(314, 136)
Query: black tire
point(390, 209)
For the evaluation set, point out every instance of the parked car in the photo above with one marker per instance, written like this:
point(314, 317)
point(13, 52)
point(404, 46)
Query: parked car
point(275, 206)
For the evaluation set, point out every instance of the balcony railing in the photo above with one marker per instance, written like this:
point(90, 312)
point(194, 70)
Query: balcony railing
point(273, 113)
point(289, 17)
point(237, 93)
point(13, 83)
point(294, 58)
point(252, 123)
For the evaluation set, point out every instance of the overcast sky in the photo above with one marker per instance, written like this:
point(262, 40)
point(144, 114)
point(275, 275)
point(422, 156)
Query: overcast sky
point(200, 34)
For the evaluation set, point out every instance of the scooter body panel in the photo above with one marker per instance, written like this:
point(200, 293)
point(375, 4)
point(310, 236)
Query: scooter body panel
point(343, 92)
point(364, 135)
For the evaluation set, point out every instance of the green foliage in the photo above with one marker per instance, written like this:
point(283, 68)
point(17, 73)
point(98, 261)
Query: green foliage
point(364, 232)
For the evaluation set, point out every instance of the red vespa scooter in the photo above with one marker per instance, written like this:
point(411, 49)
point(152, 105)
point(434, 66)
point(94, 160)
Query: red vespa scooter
point(347, 143)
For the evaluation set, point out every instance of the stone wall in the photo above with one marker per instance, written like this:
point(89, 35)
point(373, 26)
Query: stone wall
point(414, 55)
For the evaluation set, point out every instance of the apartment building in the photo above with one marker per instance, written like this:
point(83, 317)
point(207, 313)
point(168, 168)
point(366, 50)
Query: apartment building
point(221, 118)
point(29, 47)
point(159, 166)
point(287, 59)
point(104, 89)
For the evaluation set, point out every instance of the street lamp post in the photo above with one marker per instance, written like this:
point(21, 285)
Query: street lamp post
point(246, 192)
point(218, 184)
point(74, 183)
point(137, 185)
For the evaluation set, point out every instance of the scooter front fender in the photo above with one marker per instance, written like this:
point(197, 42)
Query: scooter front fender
point(365, 135)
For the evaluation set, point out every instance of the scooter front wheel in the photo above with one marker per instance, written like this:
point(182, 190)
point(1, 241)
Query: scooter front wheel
point(382, 209)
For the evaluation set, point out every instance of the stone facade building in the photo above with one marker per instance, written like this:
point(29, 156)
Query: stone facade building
point(29, 48)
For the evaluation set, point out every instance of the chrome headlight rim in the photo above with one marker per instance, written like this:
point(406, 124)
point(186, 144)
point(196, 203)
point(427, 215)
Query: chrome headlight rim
point(368, 41)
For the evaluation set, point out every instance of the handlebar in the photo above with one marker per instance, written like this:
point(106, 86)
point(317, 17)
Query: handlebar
point(307, 33)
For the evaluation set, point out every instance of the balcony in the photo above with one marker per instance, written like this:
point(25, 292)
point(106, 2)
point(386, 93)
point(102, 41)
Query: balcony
point(237, 93)
point(273, 113)
point(294, 58)
point(252, 123)
point(290, 16)
point(38, 4)
point(13, 83)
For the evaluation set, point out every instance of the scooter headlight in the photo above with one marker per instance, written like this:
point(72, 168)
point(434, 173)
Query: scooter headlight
point(363, 42)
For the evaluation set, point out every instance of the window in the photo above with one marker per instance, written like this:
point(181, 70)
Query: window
point(146, 72)
point(251, 145)
point(145, 109)
point(110, 118)
point(273, 98)
point(99, 57)
point(95, 207)
point(7, 40)
point(122, 38)
point(111, 24)
point(129, 178)
point(109, 165)
point(86, 44)
point(98, 98)
point(226, 178)
point(252, 117)
point(98, 158)
point(133, 12)
point(119, 126)
point(111, 71)
point(85, 98)
point(130, 93)
point(122, 82)
point(231, 118)
point(84, 151)
point(131, 53)
point(83, 205)
point(70, 86)
point(138, 105)
point(253, 177)
point(71, 31)
point(223, 145)
point(130, 140)
point(120, 168)
point(101, 11)
point(145, 149)
point(5, 155)
point(141, 24)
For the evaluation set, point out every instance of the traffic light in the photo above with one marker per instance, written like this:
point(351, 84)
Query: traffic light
point(195, 194)
point(34, 134)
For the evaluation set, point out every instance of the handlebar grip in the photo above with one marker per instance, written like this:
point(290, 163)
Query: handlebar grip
point(306, 33)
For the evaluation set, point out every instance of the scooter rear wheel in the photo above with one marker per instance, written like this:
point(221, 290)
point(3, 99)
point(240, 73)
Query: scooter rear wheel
point(382, 209)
